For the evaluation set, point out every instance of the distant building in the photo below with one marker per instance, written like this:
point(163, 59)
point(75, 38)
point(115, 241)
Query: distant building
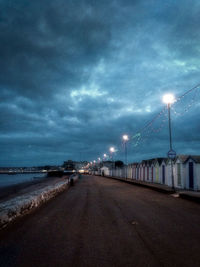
point(76, 165)
point(69, 165)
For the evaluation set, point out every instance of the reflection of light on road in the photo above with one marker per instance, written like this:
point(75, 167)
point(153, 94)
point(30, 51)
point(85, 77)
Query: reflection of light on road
point(175, 195)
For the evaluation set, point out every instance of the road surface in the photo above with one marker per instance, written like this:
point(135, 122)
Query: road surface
point(104, 222)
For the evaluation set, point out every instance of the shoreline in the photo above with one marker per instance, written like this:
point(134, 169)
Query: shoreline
point(29, 196)
point(7, 192)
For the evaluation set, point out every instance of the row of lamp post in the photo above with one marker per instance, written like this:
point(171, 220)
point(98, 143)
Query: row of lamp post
point(168, 99)
point(112, 150)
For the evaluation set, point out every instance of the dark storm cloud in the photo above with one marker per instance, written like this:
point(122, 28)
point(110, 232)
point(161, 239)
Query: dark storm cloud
point(45, 45)
point(76, 75)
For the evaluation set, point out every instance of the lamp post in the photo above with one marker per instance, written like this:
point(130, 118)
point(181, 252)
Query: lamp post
point(99, 161)
point(104, 156)
point(125, 140)
point(169, 100)
point(99, 166)
point(94, 167)
point(112, 150)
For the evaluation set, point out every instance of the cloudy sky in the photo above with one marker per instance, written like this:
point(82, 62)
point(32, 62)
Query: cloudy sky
point(77, 74)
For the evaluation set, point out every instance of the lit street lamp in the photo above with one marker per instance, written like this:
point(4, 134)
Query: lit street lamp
point(125, 140)
point(104, 156)
point(169, 100)
point(99, 161)
point(112, 150)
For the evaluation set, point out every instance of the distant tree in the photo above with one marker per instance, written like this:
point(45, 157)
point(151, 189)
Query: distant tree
point(119, 163)
point(69, 165)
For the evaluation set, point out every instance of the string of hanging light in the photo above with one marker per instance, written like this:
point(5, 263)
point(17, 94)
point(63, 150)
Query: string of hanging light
point(140, 137)
point(145, 132)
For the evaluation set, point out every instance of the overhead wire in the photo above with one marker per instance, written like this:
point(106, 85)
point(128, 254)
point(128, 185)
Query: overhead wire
point(141, 136)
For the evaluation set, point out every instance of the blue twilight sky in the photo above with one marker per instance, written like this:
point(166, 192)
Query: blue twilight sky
point(76, 75)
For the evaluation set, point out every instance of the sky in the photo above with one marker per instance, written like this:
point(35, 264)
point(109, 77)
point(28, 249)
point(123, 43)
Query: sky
point(76, 75)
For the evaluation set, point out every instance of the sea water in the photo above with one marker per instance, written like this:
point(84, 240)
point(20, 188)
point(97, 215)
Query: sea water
point(13, 179)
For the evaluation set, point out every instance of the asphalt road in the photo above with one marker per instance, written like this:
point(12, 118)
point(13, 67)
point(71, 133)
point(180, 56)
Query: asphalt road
point(103, 222)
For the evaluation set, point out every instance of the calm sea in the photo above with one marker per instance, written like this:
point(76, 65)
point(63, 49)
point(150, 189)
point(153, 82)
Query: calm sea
point(13, 179)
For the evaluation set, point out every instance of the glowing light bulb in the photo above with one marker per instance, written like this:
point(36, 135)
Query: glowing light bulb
point(168, 99)
point(112, 149)
point(125, 137)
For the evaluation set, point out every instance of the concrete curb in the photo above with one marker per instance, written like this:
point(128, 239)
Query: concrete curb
point(190, 196)
point(158, 188)
point(21, 205)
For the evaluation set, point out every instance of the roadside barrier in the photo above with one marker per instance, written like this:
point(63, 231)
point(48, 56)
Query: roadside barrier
point(23, 204)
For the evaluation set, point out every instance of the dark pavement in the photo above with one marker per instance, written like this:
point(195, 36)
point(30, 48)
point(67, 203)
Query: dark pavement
point(103, 222)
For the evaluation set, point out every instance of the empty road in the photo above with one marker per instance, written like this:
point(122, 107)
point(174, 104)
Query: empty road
point(104, 222)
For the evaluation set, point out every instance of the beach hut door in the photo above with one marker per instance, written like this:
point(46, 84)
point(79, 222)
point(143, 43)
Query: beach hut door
point(157, 174)
point(163, 174)
point(191, 175)
point(179, 173)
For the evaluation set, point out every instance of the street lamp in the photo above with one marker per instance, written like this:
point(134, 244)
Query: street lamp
point(112, 150)
point(125, 140)
point(169, 99)
point(99, 160)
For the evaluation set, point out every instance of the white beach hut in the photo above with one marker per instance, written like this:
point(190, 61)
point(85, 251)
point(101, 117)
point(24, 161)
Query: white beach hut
point(163, 170)
point(105, 171)
point(134, 170)
point(129, 170)
point(157, 162)
point(143, 170)
point(179, 171)
point(152, 170)
point(192, 173)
